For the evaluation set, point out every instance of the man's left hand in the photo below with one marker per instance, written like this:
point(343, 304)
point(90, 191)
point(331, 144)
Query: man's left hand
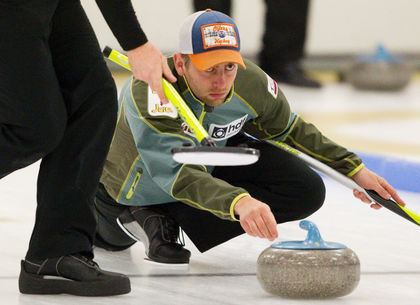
point(371, 181)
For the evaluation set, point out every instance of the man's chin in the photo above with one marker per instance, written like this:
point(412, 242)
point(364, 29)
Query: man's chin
point(215, 101)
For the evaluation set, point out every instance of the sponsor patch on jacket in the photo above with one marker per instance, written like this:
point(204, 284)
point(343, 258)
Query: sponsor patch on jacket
point(219, 35)
point(222, 132)
point(272, 86)
point(156, 109)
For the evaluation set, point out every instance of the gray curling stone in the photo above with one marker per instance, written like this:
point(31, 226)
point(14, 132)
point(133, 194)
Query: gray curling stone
point(308, 269)
point(382, 71)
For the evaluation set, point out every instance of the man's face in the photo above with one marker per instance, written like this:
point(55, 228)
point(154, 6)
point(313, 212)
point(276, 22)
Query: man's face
point(213, 85)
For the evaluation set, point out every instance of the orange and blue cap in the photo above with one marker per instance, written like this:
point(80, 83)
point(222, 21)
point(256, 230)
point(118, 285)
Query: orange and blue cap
point(210, 38)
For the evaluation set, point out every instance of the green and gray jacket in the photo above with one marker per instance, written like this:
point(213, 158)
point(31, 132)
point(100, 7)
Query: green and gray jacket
point(139, 169)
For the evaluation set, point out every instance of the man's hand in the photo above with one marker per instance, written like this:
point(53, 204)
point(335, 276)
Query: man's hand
point(371, 181)
point(256, 218)
point(148, 64)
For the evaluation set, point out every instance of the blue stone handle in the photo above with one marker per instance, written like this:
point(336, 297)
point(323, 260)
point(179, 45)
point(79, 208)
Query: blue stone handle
point(314, 237)
point(381, 55)
point(313, 240)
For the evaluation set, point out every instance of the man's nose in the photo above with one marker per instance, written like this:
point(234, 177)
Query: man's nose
point(219, 80)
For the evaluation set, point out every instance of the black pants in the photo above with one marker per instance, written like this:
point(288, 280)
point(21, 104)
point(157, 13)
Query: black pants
point(291, 189)
point(285, 30)
point(58, 104)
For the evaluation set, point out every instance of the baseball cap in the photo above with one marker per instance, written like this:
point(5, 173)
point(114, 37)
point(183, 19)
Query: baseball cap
point(210, 38)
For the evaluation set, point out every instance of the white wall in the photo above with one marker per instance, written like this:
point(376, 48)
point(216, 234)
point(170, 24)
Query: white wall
point(358, 25)
point(335, 26)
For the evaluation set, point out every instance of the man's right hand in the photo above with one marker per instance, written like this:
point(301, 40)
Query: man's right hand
point(256, 218)
point(149, 64)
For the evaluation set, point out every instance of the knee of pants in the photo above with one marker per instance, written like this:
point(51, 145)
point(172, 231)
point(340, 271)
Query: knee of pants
point(40, 136)
point(314, 195)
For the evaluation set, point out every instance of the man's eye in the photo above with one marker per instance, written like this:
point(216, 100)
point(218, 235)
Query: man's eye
point(210, 69)
point(230, 67)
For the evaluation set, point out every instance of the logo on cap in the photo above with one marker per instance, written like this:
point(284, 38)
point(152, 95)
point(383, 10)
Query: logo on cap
point(219, 35)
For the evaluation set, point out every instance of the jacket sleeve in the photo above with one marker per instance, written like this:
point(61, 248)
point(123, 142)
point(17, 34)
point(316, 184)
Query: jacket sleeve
point(121, 19)
point(275, 121)
point(309, 140)
point(155, 134)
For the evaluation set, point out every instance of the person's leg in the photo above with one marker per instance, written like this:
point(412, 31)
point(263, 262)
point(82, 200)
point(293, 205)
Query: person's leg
point(224, 6)
point(284, 34)
point(283, 181)
point(204, 229)
point(291, 189)
point(69, 175)
point(120, 226)
point(284, 40)
point(62, 238)
point(32, 112)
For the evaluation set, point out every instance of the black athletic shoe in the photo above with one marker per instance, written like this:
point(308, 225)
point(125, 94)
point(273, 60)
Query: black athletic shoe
point(158, 232)
point(71, 274)
point(293, 75)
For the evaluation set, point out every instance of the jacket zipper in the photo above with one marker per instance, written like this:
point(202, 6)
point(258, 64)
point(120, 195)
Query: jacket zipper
point(134, 185)
point(203, 113)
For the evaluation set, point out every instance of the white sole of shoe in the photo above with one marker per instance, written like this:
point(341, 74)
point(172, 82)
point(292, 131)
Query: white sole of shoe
point(166, 265)
point(135, 227)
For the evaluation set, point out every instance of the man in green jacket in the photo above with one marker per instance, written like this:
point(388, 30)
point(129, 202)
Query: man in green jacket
point(145, 195)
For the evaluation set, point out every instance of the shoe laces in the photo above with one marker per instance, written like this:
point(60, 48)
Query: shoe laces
point(86, 259)
point(172, 232)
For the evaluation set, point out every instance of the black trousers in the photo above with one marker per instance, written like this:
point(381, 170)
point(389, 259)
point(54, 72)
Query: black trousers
point(291, 189)
point(285, 30)
point(57, 103)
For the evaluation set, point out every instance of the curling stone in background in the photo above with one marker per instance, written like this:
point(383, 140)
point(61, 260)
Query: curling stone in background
point(381, 71)
point(311, 268)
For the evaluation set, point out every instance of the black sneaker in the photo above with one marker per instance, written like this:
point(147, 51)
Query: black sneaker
point(293, 75)
point(158, 232)
point(72, 274)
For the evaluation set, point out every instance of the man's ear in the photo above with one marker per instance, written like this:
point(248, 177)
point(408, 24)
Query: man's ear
point(179, 64)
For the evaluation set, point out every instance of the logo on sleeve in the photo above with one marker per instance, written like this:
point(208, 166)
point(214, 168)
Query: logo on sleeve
point(222, 132)
point(272, 86)
point(156, 109)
